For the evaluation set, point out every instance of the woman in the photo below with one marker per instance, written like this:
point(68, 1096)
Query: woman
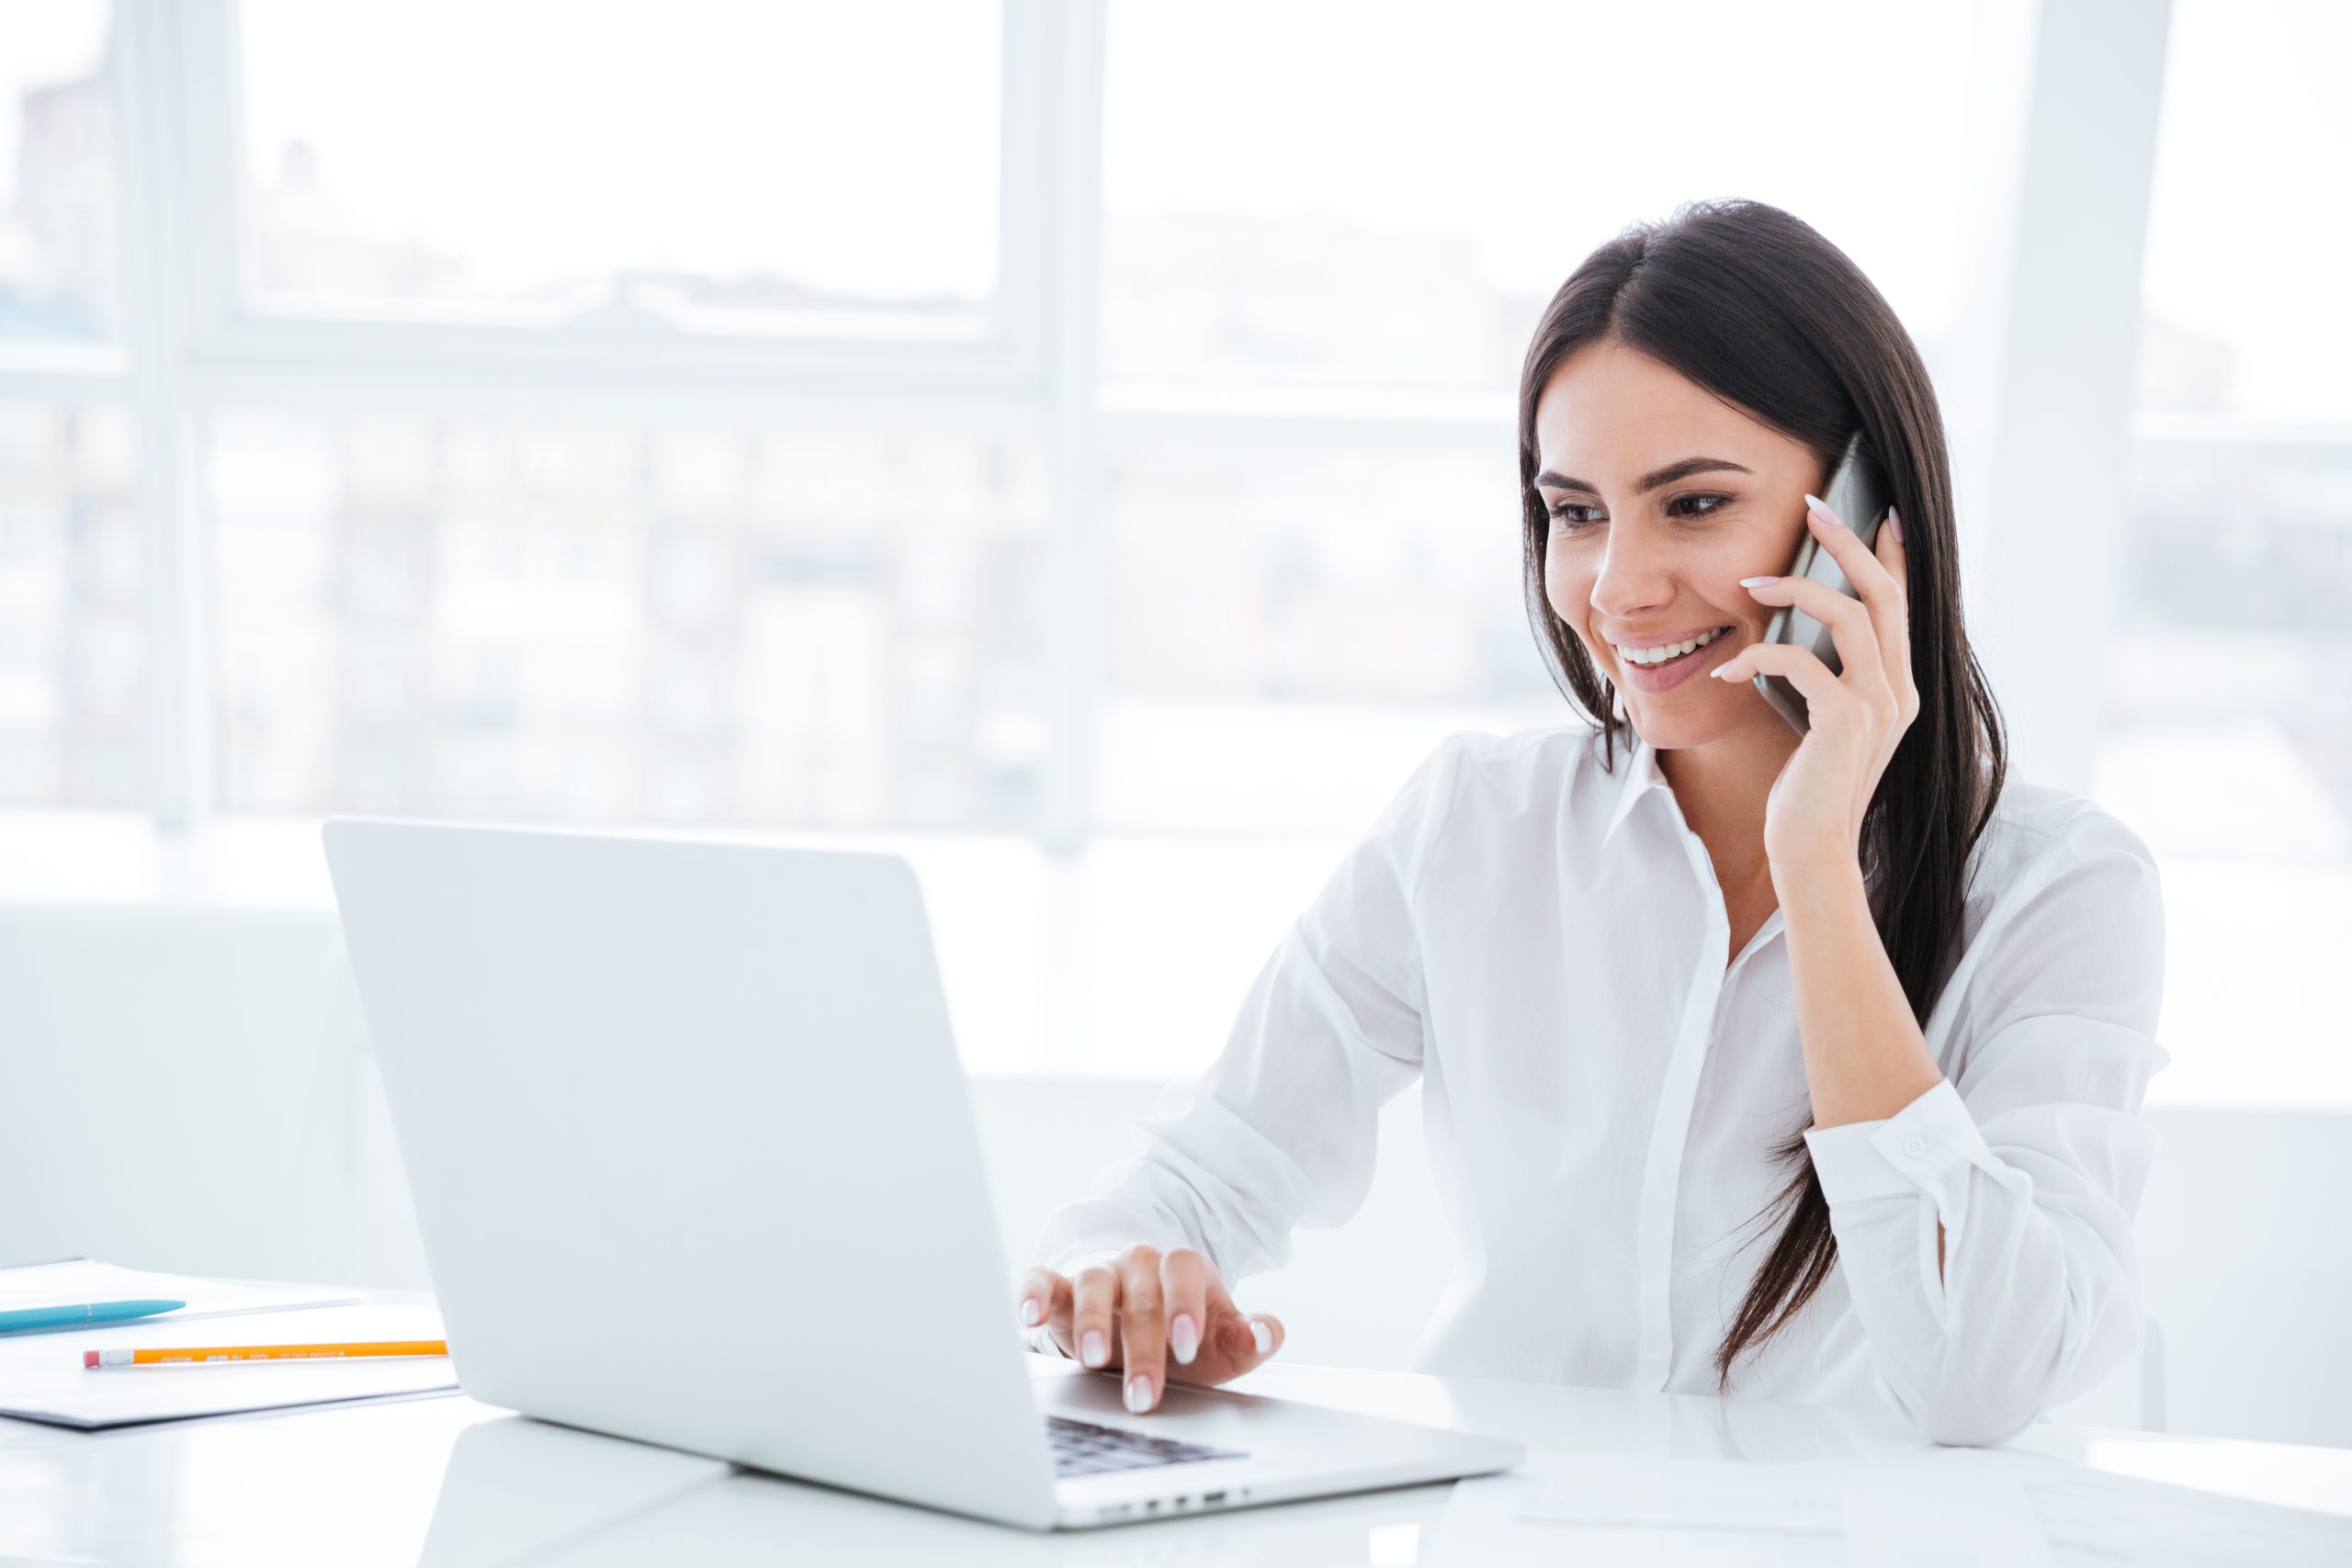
point(1794, 1067)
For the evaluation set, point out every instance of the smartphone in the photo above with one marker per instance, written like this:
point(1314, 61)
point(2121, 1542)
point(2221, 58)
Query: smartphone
point(1857, 492)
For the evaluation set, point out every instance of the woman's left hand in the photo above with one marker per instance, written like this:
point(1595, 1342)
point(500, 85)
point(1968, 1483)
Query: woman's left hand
point(1814, 815)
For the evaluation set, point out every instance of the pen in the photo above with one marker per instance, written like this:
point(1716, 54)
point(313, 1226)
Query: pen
point(214, 1354)
point(82, 1312)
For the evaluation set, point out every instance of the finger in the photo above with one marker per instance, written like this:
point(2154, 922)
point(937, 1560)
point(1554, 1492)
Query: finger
point(1891, 555)
point(1823, 694)
point(1143, 1326)
point(1241, 1340)
point(1869, 575)
point(1095, 1302)
point(1898, 641)
point(1184, 1277)
point(1876, 586)
point(1059, 1303)
point(1861, 651)
point(1034, 1301)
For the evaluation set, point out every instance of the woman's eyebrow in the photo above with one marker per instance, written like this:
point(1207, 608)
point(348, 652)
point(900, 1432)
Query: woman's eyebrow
point(1547, 480)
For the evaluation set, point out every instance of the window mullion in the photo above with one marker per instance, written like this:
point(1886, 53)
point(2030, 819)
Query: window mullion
point(1076, 585)
point(148, 60)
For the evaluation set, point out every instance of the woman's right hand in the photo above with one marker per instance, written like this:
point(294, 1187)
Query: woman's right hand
point(1154, 1315)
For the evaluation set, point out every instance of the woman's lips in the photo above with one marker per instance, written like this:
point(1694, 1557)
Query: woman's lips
point(1667, 676)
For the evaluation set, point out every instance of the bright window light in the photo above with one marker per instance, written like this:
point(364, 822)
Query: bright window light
point(721, 164)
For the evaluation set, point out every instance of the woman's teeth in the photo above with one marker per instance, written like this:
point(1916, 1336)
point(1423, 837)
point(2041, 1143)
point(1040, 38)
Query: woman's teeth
point(1670, 651)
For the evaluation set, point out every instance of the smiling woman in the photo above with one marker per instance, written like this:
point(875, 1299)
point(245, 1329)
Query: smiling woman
point(1812, 1060)
point(1738, 330)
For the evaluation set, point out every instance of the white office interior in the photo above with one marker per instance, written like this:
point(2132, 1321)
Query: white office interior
point(1070, 446)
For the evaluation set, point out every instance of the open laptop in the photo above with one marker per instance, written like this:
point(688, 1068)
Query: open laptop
point(695, 1163)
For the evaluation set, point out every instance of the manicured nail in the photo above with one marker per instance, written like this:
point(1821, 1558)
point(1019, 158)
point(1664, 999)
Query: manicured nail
point(1756, 581)
point(1094, 1350)
point(1894, 522)
point(1139, 1392)
point(1263, 1336)
point(1183, 1339)
point(1029, 1313)
point(1821, 510)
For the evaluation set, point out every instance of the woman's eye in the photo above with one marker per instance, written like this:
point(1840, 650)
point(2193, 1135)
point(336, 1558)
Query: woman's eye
point(1715, 503)
point(1562, 515)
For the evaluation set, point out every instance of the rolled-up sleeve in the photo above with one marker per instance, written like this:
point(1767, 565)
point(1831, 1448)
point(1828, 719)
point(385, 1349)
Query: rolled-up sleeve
point(1280, 1130)
point(2031, 1154)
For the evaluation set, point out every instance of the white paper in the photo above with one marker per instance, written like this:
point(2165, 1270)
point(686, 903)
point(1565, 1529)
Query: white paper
point(1936, 1508)
point(1813, 1514)
point(2091, 1518)
point(80, 1280)
point(42, 1378)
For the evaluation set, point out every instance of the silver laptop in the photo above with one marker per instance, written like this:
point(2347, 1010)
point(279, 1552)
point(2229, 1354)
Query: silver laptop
point(695, 1164)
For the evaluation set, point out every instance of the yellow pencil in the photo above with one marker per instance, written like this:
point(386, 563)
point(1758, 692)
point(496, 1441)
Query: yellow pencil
point(207, 1355)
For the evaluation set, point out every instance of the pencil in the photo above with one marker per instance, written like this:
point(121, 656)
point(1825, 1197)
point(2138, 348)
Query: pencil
point(210, 1354)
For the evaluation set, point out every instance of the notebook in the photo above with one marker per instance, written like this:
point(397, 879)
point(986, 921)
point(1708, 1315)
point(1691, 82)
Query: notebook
point(42, 1378)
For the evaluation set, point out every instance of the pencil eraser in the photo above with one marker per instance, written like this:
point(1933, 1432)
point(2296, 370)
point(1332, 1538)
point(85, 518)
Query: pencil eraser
point(89, 1358)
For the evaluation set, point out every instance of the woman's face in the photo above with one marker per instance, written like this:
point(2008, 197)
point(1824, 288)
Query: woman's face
point(1661, 498)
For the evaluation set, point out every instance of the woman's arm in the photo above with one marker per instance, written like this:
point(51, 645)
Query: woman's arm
point(1984, 1226)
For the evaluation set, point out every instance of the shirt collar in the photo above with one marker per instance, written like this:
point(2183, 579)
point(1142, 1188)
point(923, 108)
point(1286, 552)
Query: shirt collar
point(1642, 776)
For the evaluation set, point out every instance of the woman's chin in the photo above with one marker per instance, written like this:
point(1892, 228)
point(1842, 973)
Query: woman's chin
point(1684, 717)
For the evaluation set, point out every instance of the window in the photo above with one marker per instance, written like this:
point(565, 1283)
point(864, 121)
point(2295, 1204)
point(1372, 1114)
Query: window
point(2227, 738)
point(60, 234)
point(1296, 623)
point(696, 165)
point(1267, 206)
point(626, 623)
point(75, 662)
point(2244, 272)
point(531, 412)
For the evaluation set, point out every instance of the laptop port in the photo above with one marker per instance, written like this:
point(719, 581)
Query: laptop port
point(1208, 1498)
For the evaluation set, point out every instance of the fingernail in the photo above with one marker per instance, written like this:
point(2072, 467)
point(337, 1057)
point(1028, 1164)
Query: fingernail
point(1263, 1336)
point(1821, 510)
point(1183, 1339)
point(1756, 581)
point(1139, 1392)
point(1029, 1313)
point(1094, 1350)
point(1894, 522)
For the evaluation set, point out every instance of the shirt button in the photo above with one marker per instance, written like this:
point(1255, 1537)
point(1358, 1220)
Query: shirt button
point(1914, 1146)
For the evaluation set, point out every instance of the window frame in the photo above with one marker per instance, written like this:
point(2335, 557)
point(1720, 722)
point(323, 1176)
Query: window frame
point(1002, 352)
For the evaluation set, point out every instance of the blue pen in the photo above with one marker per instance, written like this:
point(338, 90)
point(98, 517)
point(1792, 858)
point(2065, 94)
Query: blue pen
point(78, 1317)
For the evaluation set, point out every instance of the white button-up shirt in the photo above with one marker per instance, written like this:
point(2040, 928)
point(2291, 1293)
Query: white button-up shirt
point(1542, 944)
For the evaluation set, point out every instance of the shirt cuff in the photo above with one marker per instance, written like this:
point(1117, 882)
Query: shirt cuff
point(1927, 1146)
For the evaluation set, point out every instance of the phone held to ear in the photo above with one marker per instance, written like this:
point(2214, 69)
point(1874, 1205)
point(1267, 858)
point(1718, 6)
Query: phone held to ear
point(1858, 493)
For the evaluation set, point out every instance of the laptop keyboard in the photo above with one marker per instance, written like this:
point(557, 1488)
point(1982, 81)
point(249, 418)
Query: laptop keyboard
point(1081, 1447)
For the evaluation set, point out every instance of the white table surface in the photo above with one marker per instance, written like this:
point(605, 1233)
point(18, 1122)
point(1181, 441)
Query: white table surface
point(448, 1480)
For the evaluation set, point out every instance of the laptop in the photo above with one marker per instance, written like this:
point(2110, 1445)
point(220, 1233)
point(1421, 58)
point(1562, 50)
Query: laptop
point(695, 1164)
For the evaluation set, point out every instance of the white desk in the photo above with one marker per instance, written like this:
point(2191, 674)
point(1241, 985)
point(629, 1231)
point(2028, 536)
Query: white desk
point(448, 1482)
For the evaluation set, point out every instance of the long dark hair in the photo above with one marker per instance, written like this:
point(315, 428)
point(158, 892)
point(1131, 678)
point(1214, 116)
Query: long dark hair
point(1754, 305)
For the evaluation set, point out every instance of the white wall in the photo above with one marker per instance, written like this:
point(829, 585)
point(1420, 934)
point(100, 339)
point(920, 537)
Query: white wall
point(190, 1089)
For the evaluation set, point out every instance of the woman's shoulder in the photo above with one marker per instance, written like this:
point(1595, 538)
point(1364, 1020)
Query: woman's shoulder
point(2055, 870)
point(2037, 832)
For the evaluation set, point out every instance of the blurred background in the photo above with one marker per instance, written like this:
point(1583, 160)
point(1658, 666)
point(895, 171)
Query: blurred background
point(1070, 445)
